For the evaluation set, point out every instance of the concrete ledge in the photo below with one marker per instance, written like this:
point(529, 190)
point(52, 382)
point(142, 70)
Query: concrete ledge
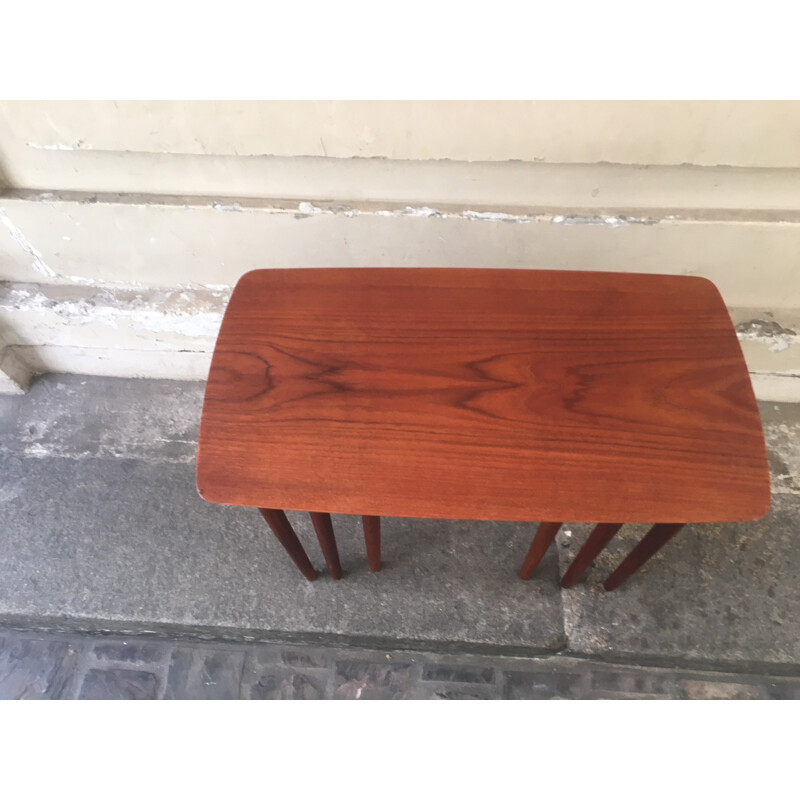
point(195, 243)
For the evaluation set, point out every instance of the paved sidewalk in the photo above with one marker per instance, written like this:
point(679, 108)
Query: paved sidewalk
point(53, 666)
point(103, 533)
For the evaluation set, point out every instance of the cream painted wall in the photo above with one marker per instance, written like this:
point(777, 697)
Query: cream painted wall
point(732, 133)
point(124, 225)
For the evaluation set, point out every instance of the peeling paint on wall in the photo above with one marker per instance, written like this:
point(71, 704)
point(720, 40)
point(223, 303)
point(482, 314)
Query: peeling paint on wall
point(19, 237)
point(779, 337)
point(307, 209)
point(77, 146)
point(197, 314)
point(497, 216)
point(604, 219)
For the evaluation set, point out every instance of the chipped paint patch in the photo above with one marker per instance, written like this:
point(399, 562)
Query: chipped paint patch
point(498, 216)
point(79, 145)
point(763, 327)
point(773, 333)
point(196, 314)
point(611, 220)
point(426, 212)
point(19, 237)
point(422, 211)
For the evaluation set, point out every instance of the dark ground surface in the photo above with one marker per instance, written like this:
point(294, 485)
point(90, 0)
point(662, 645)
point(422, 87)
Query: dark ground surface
point(59, 666)
point(103, 533)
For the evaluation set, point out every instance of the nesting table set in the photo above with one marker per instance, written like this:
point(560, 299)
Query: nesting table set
point(485, 394)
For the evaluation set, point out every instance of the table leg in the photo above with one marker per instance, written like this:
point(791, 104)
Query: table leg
point(327, 541)
point(372, 536)
point(288, 538)
point(598, 539)
point(545, 534)
point(652, 542)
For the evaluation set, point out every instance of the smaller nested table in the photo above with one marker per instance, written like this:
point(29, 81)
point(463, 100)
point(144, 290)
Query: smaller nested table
point(482, 394)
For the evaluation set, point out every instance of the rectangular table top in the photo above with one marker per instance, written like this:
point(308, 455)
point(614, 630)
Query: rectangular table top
point(482, 394)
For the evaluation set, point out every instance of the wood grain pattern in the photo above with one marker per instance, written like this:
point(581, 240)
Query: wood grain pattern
point(482, 394)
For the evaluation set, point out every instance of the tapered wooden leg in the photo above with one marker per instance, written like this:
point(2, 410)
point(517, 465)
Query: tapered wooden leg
point(327, 541)
point(288, 538)
point(372, 536)
point(598, 539)
point(545, 534)
point(653, 541)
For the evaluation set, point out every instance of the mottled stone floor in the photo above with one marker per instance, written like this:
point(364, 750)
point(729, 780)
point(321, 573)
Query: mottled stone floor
point(103, 533)
point(94, 667)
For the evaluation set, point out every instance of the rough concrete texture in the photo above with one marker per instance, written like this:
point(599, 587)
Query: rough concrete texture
point(715, 592)
point(103, 522)
point(78, 417)
point(103, 529)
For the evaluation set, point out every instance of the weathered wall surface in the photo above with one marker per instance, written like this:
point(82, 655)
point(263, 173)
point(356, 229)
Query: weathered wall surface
point(124, 225)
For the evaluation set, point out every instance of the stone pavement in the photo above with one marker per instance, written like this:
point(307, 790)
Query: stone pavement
point(103, 533)
point(95, 667)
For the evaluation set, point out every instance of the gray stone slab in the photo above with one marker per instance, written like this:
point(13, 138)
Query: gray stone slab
point(119, 684)
point(782, 433)
point(256, 671)
point(101, 523)
point(204, 674)
point(271, 686)
point(78, 416)
point(364, 680)
point(301, 676)
point(131, 543)
point(544, 684)
point(450, 674)
point(717, 593)
point(135, 652)
point(454, 692)
point(32, 669)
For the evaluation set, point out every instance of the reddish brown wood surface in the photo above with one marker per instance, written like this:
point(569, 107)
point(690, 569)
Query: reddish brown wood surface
point(285, 534)
point(652, 542)
point(372, 537)
point(545, 534)
point(598, 539)
point(483, 394)
point(323, 526)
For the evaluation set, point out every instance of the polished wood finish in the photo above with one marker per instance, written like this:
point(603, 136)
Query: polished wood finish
point(288, 538)
point(482, 394)
point(652, 542)
point(327, 542)
point(372, 536)
point(598, 539)
point(545, 534)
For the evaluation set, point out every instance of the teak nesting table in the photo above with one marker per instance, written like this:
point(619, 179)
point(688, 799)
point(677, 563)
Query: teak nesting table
point(485, 394)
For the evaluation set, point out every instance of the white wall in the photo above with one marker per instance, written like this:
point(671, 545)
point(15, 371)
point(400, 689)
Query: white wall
point(124, 225)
